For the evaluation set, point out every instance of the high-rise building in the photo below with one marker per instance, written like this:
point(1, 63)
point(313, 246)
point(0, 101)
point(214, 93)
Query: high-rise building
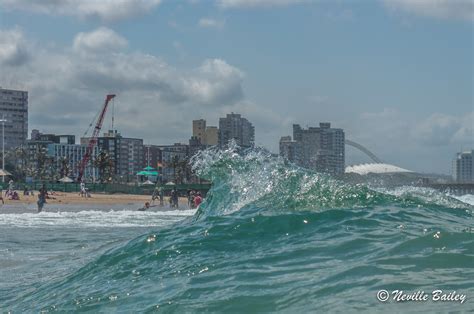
point(234, 127)
point(126, 153)
point(207, 135)
point(14, 109)
point(199, 130)
point(463, 167)
point(212, 136)
point(320, 148)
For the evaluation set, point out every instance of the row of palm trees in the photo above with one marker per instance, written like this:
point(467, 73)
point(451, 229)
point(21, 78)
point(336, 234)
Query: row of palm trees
point(46, 168)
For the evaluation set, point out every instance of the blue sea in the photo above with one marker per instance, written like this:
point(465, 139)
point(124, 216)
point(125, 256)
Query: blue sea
point(269, 237)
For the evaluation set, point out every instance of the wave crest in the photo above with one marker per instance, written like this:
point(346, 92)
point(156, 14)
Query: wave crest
point(255, 177)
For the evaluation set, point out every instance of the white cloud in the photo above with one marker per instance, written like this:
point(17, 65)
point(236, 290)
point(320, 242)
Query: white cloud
point(211, 23)
point(417, 143)
point(107, 10)
point(448, 9)
point(442, 129)
point(101, 40)
point(155, 100)
point(229, 4)
point(13, 48)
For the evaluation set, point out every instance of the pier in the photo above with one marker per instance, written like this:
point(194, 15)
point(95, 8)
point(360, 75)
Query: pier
point(453, 188)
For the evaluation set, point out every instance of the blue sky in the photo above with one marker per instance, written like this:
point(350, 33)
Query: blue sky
point(396, 75)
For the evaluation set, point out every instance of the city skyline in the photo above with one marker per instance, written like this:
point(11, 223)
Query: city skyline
point(302, 62)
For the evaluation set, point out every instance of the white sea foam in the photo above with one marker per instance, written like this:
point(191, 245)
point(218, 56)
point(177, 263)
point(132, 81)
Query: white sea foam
point(94, 218)
point(467, 198)
point(424, 194)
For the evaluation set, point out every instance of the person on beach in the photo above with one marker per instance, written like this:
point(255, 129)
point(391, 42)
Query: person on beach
point(162, 195)
point(147, 206)
point(1, 197)
point(197, 199)
point(11, 187)
point(174, 198)
point(155, 195)
point(84, 191)
point(191, 195)
point(43, 193)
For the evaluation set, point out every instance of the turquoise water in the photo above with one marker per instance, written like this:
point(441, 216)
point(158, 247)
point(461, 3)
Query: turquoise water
point(268, 238)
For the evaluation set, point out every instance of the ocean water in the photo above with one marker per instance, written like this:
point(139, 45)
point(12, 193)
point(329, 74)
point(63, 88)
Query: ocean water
point(269, 237)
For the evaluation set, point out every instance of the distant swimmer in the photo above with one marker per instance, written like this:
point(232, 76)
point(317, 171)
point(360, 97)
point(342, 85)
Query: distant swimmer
point(147, 206)
point(43, 193)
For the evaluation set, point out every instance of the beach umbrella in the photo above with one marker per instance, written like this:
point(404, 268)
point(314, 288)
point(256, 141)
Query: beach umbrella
point(149, 168)
point(170, 183)
point(66, 180)
point(4, 173)
point(148, 182)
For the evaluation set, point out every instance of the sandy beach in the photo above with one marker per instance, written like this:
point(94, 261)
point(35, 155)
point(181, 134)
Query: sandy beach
point(99, 199)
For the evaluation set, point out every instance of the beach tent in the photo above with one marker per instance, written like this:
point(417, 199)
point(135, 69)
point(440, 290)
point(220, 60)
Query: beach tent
point(149, 173)
point(66, 180)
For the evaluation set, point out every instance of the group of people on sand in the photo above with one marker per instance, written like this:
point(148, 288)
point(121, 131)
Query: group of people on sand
point(12, 194)
point(194, 199)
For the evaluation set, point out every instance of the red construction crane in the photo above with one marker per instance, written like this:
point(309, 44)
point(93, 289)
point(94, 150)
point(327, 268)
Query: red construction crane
point(93, 138)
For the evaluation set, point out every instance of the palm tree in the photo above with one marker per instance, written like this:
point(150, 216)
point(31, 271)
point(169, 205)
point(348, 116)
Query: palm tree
point(105, 164)
point(44, 164)
point(64, 167)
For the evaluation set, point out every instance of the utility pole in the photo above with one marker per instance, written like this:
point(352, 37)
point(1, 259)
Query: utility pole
point(148, 156)
point(3, 146)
